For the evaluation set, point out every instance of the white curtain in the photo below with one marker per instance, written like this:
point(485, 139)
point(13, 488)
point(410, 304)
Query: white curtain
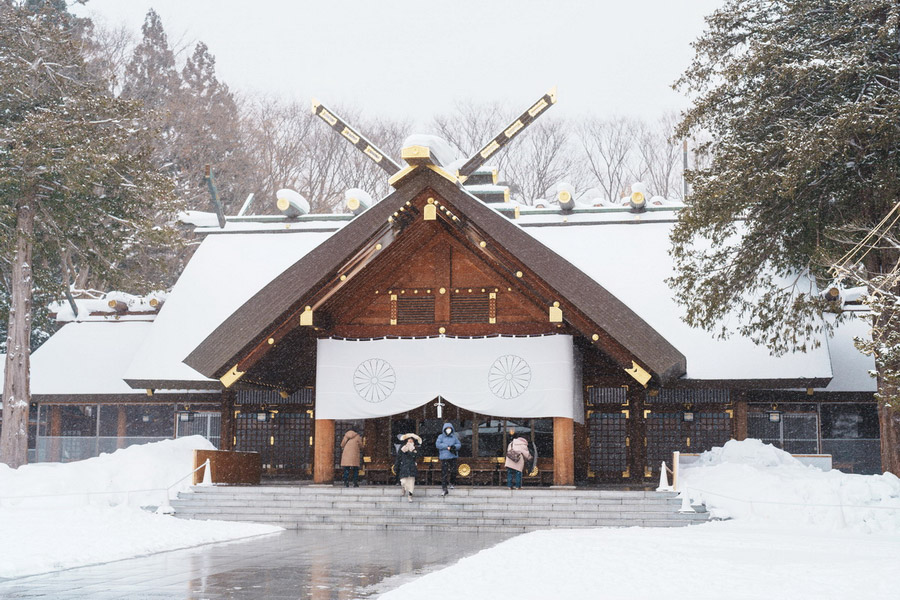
point(500, 376)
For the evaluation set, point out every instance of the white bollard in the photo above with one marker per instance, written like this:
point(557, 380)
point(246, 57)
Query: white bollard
point(664, 480)
point(207, 474)
point(686, 502)
point(166, 507)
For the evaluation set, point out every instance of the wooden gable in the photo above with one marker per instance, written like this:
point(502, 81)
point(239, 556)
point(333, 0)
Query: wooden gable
point(306, 300)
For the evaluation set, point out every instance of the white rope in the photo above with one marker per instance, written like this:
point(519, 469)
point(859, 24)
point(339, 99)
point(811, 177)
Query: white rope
point(694, 489)
point(165, 489)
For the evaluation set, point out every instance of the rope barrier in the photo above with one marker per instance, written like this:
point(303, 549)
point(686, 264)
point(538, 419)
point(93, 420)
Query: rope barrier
point(803, 504)
point(104, 493)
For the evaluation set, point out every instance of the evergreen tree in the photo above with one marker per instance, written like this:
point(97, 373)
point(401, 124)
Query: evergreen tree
point(208, 132)
point(802, 101)
point(77, 186)
point(151, 76)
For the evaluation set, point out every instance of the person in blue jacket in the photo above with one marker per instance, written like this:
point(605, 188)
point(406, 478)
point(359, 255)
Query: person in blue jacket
point(448, 445)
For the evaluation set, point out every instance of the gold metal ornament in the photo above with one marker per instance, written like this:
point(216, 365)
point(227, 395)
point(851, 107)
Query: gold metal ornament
point(464, 470)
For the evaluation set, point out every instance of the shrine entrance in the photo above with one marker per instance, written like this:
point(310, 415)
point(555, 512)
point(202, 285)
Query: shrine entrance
point(482, 455)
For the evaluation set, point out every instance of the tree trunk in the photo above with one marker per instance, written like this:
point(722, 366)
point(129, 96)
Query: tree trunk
point(16, 386)
point(889, 427)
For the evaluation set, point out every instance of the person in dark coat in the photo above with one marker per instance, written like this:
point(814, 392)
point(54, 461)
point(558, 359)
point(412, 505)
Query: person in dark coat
point(448, 445)
point(350, 457)
point(405, 463)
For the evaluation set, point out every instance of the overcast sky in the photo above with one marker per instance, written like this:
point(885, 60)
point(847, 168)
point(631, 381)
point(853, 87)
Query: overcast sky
point(399, 58)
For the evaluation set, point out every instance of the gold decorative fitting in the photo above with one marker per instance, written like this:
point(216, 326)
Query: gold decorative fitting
point(149, 391)
point(442, 291)
point(427, 291)
point(538, 107)
point(306, 317)
point(378, 246)
point(519, 274)
point(442, 330)
point(415, 152)
point(464, 470)
point(470, 290)
point(564, 196)
point(506, 199)
point(372, 153)
point(534, 472)
point(283, 394)
point(343, 278)
point(492, 320)
point(556, 315)
point(512, 129)
point(626, 473)
point(350, 135)
point(627, 413)
point(491, 148)
point(595, 337)
point(154, 302)
point(639, 374)
point(328, 117)
point(492, 294)
point(231, 376)
point(637, 198)
point(429, 213)
point(556, 304)
point(431, 201)
point(399, 175)
point(271, 341)
point(648, 472)
point(482, 243)
point(809, 391)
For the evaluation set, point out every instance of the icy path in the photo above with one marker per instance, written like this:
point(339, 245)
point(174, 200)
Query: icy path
point(712, 561)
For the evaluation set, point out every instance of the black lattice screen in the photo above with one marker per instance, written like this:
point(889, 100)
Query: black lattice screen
point(607, 432)
point(283, 440)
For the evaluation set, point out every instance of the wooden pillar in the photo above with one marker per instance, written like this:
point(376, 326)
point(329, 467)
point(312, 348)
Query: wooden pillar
point(226, 426)
point(323, 452)
point(121, 427)
point(55, 454)
point(563, 451)
point(740, 419)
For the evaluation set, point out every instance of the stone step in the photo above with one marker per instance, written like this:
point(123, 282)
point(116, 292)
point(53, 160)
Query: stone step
point(465, 509)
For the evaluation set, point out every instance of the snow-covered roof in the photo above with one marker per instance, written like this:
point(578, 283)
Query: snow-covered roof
point(632, 262)
point(224, 272)
point(87, 359)
point(851, 367)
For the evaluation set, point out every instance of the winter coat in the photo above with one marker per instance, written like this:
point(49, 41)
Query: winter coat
point(444, 441)
point(519, 445)
point(352, 445)
point(405, 464)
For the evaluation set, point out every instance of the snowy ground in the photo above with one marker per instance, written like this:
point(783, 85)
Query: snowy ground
point(807, 534)
point(59, 516)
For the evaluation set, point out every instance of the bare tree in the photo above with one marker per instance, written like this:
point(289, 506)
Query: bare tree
point(659, 156)
point(608, 151)
point(542, 157)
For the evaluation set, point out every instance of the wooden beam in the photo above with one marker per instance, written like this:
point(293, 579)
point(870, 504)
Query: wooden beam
point(323, 452)
point(121, 427)
point(55, 434)
point(227, 428)
point(563, 451)
point(740, 418)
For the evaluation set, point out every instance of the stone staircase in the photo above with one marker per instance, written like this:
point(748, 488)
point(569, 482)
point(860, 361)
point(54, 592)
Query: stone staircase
point(465, 509)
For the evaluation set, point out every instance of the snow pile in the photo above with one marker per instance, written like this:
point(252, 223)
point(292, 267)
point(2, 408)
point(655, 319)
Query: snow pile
point(60, 516)
point(753, 480)
point(732, 560)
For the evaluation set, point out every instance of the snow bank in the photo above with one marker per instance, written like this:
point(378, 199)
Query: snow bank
point(756, 481)
point(731, 560)
point(135, 476)
point(60, 516)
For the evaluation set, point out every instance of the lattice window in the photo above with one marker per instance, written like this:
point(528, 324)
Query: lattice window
point(664, 435)
point(710, 429)
point(606, 395)
point(256, 397)
point(690, 396)
point(283, 439)
point(415, 310)
point(608, 450)
point(470, 308)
